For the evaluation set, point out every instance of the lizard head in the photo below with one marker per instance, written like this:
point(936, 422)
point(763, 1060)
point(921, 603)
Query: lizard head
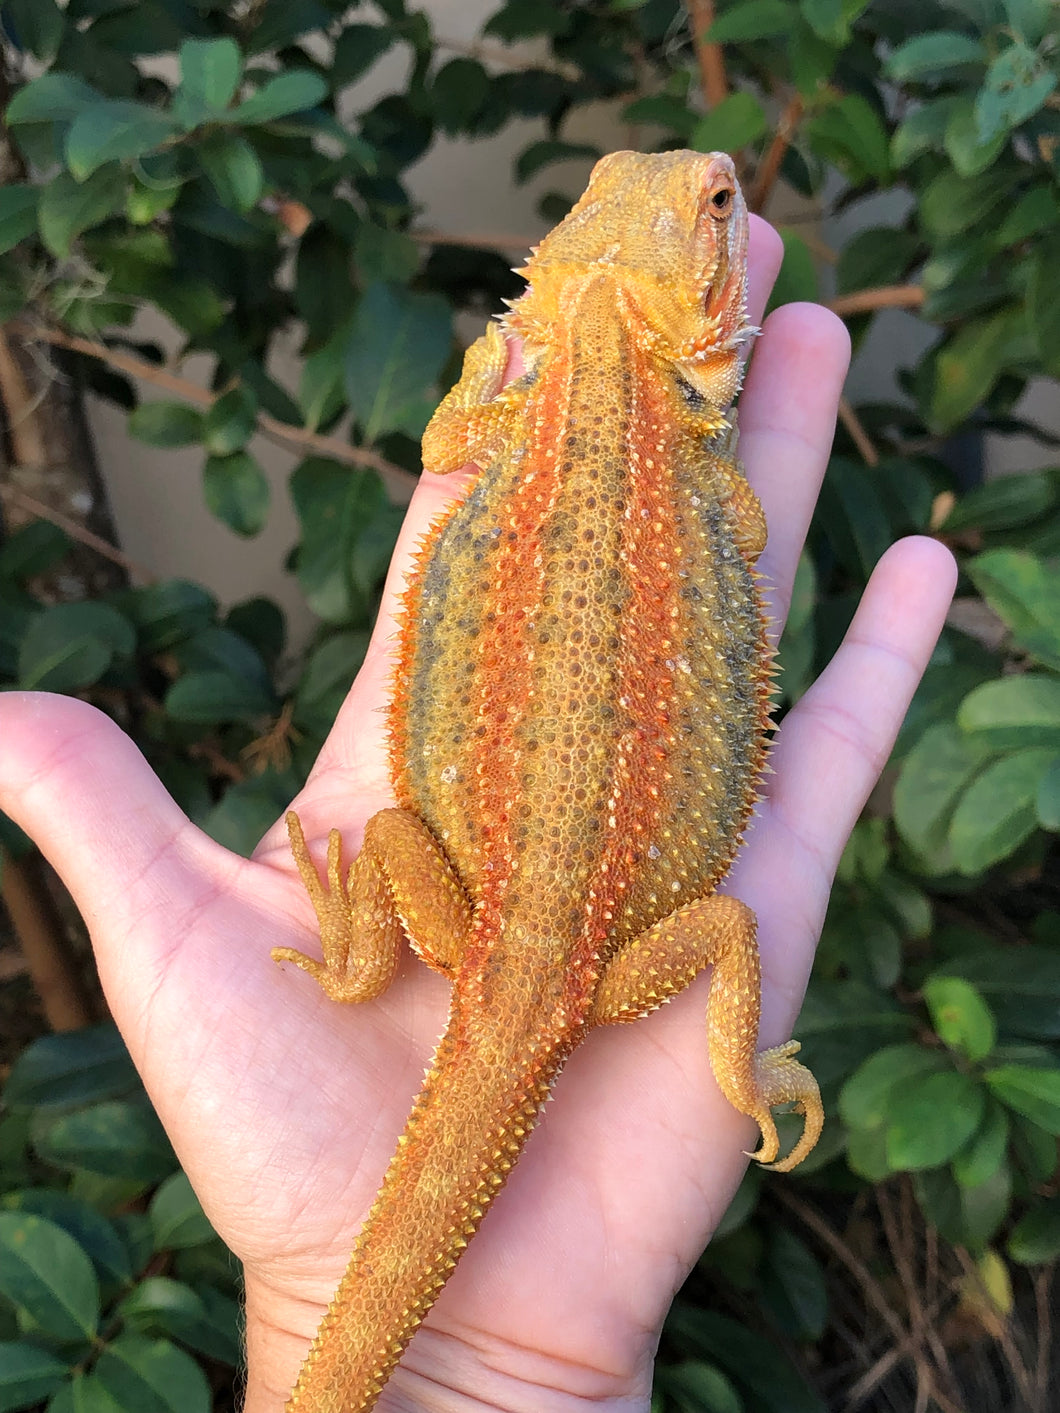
point(671, 229)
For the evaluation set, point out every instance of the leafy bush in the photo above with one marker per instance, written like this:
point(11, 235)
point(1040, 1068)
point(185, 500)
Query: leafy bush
point(114, 1290)
point(243, 190)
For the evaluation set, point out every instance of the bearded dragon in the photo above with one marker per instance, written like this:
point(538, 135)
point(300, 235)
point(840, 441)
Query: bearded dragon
point(577, 728)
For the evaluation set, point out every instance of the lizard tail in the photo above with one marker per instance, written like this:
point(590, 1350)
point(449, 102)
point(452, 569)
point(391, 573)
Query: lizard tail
point(466, 1129)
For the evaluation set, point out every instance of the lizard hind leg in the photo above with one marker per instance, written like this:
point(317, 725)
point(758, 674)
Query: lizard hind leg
point(662, 961)
point(400, 885)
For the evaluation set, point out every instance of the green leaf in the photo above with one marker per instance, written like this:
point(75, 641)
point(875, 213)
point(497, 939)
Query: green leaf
point(1022, 710)
point(1043, 301)
point(1022, 589)
point(237, 492)
point(925, 55)
point(293, 91)
point(83, 1394)
point(234, 169)
point(754, 19)
point(696, 1387)
point(45, 1273)
point(32, 549)
point(152, 1376)
point(1047, 802)
point(923, 130)
point(950, 203)
point(326, 678)
point(90, 1229)
point(167, 613)
point(157, 1305)
point(333, 504)
point(969, 364)
point(1031, 1091)
point(879, 255)
point(280, 22)
point(979, 1159)
point(731, 124)
point(68, 207)
point(864, 1100)
point(210, 70)
point(545, 153)
point(399, 341)
point(28, 1374)
point(797, 278)
point(961, 1017)
point(965, 145)
point(52, 98)
point(793, 1286)
point(1017, 84)
point(321, 391)
point(851, 134)
point(37, 25)
point(177, 1218)
point(115, 1139)
point(1004, 504)
point(928, 1122)
point(212, 696)
point(459, 91)
point(933, 776)
point(72, 1068)
point(854, 515)
point(998, 810)
point(1021, 984)
point(230, 422)
point(356, 50)
point(18, 214)
point(165, 424)
point(112, 131)
point(1035, 1238)
point(71, 645)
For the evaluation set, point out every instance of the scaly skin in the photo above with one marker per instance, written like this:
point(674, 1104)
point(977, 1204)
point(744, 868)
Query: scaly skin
point(576, 730)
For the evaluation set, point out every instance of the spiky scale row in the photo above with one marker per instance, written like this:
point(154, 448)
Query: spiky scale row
point(580, 699)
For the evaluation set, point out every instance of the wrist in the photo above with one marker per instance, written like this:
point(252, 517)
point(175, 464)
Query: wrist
point(444, 1370)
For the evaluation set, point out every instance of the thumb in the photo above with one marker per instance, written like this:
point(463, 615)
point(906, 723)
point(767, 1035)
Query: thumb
point(78, 786)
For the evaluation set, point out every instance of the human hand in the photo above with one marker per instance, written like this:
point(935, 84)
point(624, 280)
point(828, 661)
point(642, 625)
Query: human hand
point(284, 1107)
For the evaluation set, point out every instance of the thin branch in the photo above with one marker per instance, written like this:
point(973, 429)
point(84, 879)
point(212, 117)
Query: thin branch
point(858, 435)
point(293, 438)
point(769, 167)
point(865, 301)
point(77, 532)
point(488, 239)
point(44, 945)
point(708, 56)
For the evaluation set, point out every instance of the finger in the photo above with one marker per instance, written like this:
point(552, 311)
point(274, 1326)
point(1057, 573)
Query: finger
point(829, 753)
point(787, 421)
point(81, 790)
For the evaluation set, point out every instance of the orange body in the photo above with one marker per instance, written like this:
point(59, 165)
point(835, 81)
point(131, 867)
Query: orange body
point(576, 727)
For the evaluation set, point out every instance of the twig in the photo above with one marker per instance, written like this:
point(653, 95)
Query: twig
point(921, 1326)
point(769, 167)
point(1002, 1332)
point(1042, 1281)
point(292, 437)
point(858, 435)
point(864, 301)
point(43, 942)
point(709, 56)
point(486, 239)
point(77, 532)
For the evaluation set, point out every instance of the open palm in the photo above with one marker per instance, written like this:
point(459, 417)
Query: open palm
point(284, 1107)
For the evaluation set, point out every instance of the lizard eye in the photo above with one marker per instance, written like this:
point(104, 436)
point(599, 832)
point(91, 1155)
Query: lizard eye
point(720, 201)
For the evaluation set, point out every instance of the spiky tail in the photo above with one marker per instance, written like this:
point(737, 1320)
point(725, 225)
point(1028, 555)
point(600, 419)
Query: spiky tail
point(467, 1127)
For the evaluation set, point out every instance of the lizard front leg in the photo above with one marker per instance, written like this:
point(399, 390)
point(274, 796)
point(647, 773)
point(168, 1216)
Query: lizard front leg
point(400, 885)
point(662, 961)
